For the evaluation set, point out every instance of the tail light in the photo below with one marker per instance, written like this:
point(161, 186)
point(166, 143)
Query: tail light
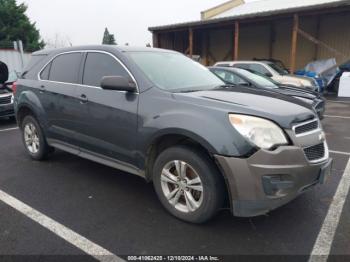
point(14, 87)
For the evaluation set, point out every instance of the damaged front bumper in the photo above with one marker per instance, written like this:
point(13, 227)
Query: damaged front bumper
point(269, 179)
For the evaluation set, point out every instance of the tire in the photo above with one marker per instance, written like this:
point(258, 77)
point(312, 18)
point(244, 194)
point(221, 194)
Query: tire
point(41, 149)
point(204, 204)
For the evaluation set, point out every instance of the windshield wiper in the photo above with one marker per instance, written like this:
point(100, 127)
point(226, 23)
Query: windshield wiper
point(223, 86)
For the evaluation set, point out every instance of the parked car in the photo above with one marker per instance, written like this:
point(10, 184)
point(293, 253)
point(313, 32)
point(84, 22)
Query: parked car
point(6, 94)
point(275, 61)
point(273, 71)
point(182, 129)
point(241, 77)
point(334, 84)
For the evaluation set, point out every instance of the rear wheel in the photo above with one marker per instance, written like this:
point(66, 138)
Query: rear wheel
point(188, 184)
point(34, 139)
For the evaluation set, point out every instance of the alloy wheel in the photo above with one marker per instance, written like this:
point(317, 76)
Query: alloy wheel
point(31, 138)
point(182, 186)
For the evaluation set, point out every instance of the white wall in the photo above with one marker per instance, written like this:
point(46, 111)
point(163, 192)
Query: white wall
point(12, 59)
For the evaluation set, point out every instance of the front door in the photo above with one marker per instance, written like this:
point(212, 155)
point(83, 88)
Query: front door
point(109, 126)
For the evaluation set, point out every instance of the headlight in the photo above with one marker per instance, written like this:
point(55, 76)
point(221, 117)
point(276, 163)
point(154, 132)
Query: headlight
point(261, 132)
point(12, 99)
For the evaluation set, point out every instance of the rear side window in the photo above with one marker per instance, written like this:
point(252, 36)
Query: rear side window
point(65, 68)
point(98, 65)
point(44, 75)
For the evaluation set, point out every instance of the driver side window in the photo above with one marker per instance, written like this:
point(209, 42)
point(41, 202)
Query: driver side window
point(98, 65)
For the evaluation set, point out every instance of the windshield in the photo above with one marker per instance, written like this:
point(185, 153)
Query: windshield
point(259, 79)
point(278, 69)
point(175, 72)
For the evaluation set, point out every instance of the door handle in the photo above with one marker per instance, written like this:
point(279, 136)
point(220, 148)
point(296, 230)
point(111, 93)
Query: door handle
point(42, 89)
point(83, 99)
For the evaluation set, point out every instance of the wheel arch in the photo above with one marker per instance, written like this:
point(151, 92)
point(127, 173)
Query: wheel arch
point(166, 140)
point(29, 103)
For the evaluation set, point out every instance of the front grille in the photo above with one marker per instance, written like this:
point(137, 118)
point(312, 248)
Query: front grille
point(5, 100)
point(314, 153)
point(308, 127)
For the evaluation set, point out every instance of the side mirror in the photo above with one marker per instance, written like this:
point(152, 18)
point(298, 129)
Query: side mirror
point(268, 74)
point(118, 83)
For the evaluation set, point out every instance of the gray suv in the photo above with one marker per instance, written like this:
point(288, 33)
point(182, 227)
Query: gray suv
point(159, 115)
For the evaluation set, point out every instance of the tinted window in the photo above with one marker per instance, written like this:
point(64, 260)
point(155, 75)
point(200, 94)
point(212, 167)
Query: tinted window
point(98, 65)
point(230, 77)
point(259, 68)
point(243, 66)
point(278, 69)
point(45, 73)
point(65, 68)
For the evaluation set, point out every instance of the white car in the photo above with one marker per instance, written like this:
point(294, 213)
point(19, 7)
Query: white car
point(274, 71)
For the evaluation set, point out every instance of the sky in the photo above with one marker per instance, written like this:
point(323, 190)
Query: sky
point(81, 22)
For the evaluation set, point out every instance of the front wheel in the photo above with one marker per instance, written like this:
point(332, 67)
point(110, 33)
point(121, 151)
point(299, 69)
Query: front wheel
point(188, 184)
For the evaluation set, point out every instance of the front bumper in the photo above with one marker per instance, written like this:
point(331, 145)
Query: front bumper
point(270, 179)
point(7, 111)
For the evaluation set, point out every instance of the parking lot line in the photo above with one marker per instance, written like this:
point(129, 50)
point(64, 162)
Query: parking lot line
point(8, 129)
point(339, 152)
point(60, 230)
point(323, 244)
point(343, 117)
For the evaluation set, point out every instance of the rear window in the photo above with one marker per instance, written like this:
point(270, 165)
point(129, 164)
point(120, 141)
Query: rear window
point(65, 68)
point(243, 66)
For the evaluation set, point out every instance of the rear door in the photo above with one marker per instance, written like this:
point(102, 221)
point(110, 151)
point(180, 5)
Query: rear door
point(58, 94)
point(110, 124)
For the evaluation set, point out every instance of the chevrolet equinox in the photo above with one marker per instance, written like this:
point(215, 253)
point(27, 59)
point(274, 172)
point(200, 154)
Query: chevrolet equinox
point(159, 115)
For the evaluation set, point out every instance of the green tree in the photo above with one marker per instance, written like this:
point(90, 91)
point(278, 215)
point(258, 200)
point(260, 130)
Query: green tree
point(108, 39)
point(15, 25)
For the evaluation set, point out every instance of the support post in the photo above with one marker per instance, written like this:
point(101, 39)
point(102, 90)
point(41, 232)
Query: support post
point(190, 40)
point(236, 41)
point(272, 39)
point(293, 52)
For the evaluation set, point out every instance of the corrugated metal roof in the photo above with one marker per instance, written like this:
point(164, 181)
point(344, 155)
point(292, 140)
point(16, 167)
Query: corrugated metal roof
point(260, 9)
point(263, 6)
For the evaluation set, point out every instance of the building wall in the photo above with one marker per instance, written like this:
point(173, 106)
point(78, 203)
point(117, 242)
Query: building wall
point(335, 31)
point(13, 60)
point(256, 40)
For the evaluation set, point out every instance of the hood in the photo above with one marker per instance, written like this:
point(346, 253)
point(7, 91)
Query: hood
point(297, 92)
point(279, 108)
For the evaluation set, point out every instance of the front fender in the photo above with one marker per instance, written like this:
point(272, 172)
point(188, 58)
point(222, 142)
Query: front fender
point(209, 127)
